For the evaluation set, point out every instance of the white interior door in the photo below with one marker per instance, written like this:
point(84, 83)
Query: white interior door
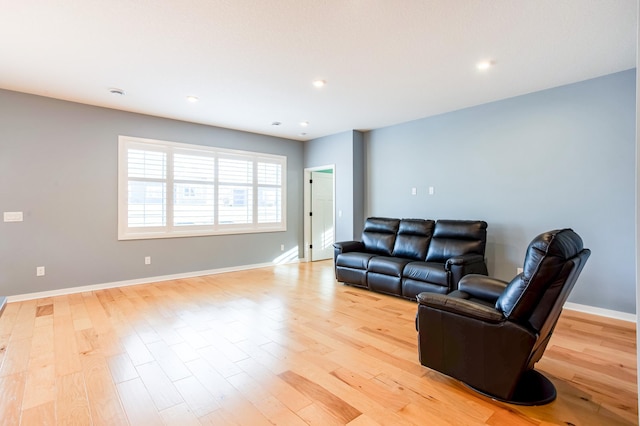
point(322, 227)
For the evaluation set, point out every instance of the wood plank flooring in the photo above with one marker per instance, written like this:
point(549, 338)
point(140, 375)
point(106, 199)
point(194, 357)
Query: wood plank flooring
point(286, 345)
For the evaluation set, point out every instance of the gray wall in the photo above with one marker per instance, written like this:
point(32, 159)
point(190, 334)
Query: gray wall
point(359, 184)
point(563, 157)
point(345, 150)
point(58, 165)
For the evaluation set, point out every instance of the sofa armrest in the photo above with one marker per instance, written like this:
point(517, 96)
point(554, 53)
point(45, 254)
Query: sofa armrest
point(482, 287)
point(347, 246)
point(462, 307)
point(466, 264)
point(466, 260)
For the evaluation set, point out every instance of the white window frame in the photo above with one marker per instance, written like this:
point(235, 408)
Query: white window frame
point(169, 230)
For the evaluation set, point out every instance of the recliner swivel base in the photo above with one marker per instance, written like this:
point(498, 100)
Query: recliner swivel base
point(532, 389)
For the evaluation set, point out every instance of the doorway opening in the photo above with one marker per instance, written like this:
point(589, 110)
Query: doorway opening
point(319, 213)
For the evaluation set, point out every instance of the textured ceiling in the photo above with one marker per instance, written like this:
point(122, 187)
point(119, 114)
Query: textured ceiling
point(251, 62)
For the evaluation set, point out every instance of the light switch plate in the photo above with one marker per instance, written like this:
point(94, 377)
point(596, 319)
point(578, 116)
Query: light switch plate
point(13, 216)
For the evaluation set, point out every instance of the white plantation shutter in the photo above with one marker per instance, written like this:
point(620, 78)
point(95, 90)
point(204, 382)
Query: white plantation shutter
point(269, 192)
point(168, 189)
point(235, 203)
point(146, 189)
point(193, 189)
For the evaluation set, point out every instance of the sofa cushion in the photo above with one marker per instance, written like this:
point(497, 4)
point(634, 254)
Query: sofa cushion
point(383, 283)
point(354, 260)
point(457, 237)
point(388, 265)
point(379, 235)
point(413, 238)
point(427, 272)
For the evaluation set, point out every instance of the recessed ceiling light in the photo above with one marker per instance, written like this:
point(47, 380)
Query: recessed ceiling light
point(192, 98)
point(115, 91)
point(304, 123)
point(276, 123)
point(319, 83)
point(485, 65)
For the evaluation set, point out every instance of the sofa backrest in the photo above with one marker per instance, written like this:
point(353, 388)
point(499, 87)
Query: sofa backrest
point(379, 235)
point(455, 238)
point(414, 236)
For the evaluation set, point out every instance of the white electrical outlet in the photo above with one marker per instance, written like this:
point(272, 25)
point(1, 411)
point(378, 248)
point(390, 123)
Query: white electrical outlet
point(281, 247)
point(432, 190)
point(147, 260)
point(40, 271)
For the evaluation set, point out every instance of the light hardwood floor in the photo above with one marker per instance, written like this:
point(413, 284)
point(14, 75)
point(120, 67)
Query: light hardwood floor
point(286, 345)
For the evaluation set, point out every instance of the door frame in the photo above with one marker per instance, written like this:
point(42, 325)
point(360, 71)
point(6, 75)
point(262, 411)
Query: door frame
point(307, 207)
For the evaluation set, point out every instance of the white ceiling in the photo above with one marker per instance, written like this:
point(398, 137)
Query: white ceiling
point(251, 62)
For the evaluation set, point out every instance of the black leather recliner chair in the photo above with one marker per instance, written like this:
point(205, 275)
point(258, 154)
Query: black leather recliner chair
point(490, 333)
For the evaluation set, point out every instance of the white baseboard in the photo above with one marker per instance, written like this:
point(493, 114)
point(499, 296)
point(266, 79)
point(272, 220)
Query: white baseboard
point(600, 312)
point(146, 280)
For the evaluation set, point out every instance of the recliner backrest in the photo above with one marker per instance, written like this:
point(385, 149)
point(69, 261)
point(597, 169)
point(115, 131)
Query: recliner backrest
point(552, 264)
point(413, 238)
point(455, 238)
point(379, 235)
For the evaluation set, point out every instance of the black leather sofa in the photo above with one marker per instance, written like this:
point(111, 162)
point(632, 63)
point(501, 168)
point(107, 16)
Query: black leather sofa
point(405, 257)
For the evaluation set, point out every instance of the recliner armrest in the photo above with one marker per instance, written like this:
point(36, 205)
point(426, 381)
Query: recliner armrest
point(347, 246)
point(462, 307)
point(482, 287)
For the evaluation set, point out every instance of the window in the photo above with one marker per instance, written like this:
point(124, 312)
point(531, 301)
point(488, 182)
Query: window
point(169, 189)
